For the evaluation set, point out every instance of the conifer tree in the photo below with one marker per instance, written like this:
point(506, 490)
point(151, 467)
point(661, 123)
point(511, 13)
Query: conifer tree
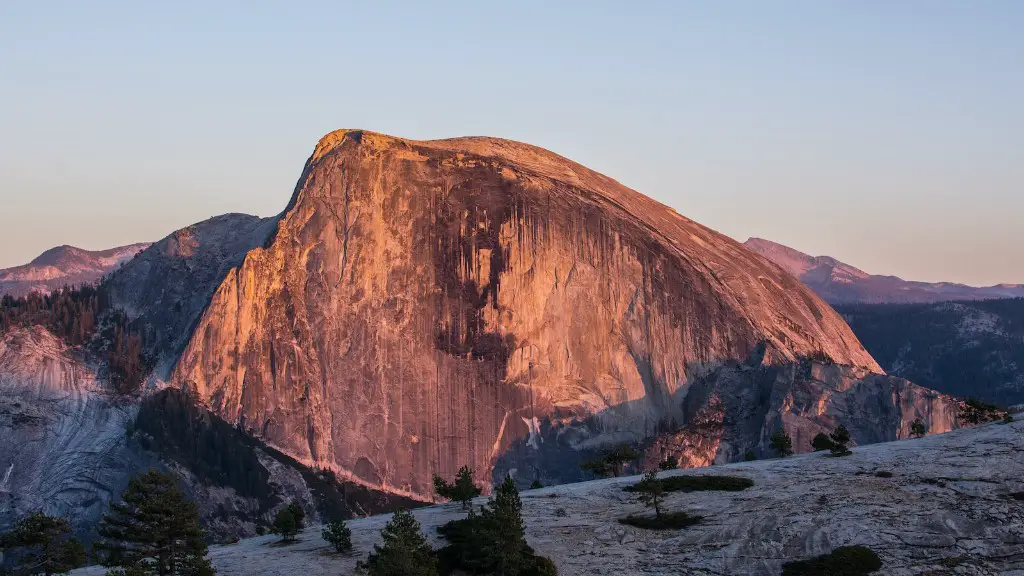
point(298, 513)
point(650, 491)
point(462, 490)
point(917, 428)
point(782, 443)
point(40, 544)
point(840, 438)
point(403, 552)
point(285, 525)
point(338, 534)
point(504, 533)
point(154, 530)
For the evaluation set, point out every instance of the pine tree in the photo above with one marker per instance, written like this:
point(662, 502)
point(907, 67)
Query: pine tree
point(337, 534)
point(917, 428)
point(299, 514)
point(403, 552)
point(462, 490)
point(285, 525)
point(840, 438)
point(154, 530)
point(782, 443)
point(40, 544)
point(650, 491)
point(504, 534)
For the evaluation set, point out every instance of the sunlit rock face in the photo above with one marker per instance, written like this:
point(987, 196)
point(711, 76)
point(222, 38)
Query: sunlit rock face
point(427, 305)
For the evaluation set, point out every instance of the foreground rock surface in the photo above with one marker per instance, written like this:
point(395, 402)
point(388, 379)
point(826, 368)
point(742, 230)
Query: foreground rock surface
point(946, 509)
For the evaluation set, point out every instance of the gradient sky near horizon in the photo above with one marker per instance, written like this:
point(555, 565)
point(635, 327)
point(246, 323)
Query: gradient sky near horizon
point(889, 135)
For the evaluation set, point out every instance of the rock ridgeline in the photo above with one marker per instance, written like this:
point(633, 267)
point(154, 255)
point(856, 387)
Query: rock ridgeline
point(423, 305)
point(64, 266)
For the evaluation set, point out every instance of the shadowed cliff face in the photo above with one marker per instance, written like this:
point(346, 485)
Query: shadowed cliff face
point(426, 305)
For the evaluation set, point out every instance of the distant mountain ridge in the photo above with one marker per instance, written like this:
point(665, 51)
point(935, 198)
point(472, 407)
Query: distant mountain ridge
point(840, 283)
point(64, 265)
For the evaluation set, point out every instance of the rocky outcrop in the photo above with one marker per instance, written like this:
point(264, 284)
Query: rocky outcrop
point(736, 409)
point(426, 305)
point(166, 287)
point(64, 266)
point(64, 448)
point(840, 283)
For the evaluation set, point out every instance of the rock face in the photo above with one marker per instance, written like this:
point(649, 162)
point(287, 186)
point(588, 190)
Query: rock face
point(963, 348)
point(840, 283)
point(947, 508)
point(426, 305)
point(737, 407)
point(64, 448)
point(64, 266)
point(166, 287)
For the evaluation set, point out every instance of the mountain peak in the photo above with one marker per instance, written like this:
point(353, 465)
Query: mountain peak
point(840, 283)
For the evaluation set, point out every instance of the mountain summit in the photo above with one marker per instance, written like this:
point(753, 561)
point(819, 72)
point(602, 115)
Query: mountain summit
point(423, 305)
point(64, 266)
point(840, 283)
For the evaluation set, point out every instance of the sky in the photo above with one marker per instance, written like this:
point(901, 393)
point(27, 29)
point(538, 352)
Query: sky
point(889, 135)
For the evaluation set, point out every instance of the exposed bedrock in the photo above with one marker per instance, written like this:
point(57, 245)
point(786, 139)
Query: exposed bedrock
point(424, 305)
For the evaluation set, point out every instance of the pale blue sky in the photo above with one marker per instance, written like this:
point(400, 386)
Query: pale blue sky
point(887, 134)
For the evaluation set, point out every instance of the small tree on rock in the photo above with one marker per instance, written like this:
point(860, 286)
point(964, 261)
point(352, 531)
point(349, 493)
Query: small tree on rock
point(462, 490)
point(917, 428)
point(840, 437)
point(782, 443)
point(650, 491)
point(403, 552)
point(284, 525)
point(821, 442)
point(337, 534)
point(668, 464)
point(154, 530)
point(612, 462)
point(40, 544)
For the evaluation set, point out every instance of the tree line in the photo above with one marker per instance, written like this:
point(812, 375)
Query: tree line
point(85, 317)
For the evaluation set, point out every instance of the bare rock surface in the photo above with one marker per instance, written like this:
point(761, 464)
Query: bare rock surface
point(64, 266)
point(946, 509)
point(423, 305)
point(64, 448)
point(167, 286)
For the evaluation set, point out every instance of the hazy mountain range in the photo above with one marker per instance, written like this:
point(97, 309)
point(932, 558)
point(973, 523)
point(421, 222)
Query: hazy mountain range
point(64, 266)
point(840, 283)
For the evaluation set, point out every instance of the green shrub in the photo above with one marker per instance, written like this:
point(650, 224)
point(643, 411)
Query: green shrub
point(612, 462)
point(844, 561)
point(883, 474)
point(974, 411)
point(337, 534)
point(668, 464)
point(1017, 495)
point(666, 521)
point(536, 485)
point(701, 483)
point(1007, 418)
point(749, 456)
point(821, 442)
